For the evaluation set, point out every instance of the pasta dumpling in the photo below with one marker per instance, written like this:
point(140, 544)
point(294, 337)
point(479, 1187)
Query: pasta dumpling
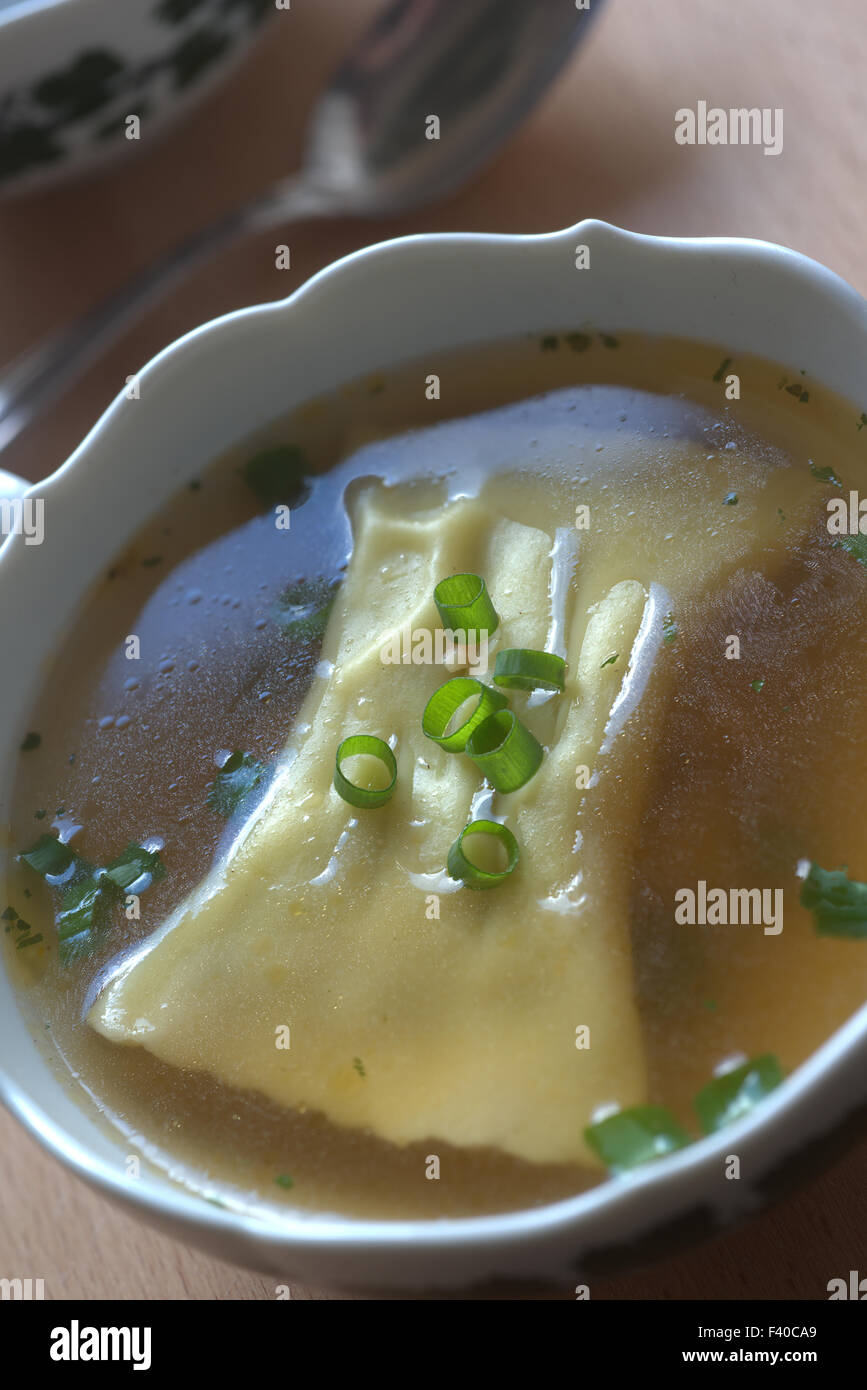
point(415, 1007)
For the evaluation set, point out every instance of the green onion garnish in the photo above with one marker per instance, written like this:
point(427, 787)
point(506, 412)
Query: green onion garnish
point(89, 894)
point(856, 546)
point(635, 1136)
point(505, 751)
point(838, 903)
point(236, 781)
point(522, 668)
point(278, 475)
point(465, 605)
point(370, 746)
point(463, 868)
point(50, 857)
point(443, 705)
point(303, 609)
point(825, 475)
point(132, 865)
point(84, 916)
point(728, 1097)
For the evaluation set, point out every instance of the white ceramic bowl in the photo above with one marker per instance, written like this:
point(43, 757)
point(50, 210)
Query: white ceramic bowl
point(208, 391)
point(71, 71)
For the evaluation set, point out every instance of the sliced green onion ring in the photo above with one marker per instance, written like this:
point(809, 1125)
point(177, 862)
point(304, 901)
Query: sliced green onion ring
point(444, 704)
point(465, 605)
point(50, 857)
point(463, 869)
point(631, 1137)
point(364, 797)
point(728, 1097)
point(523, 668)
point(505, 751)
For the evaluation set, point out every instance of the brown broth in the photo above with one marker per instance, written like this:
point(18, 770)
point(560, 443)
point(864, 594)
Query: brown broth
point(744, 782)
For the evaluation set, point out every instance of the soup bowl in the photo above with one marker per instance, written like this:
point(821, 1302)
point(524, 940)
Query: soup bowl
point(372, 311)
point(73, 71)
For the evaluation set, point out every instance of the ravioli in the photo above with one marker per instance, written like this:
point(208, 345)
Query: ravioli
point(411, 1006)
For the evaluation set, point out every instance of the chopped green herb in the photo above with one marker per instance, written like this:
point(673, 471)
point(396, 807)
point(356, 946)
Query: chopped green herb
point(31, 741)
point(669, 629)
point(757, 686)
point(722, 369)
point(507, 753)
point(609, 341)
point(856, 546)
point(728, 1097)
point(862, 422)
point(549, 342)
point(442, 707)
point(83, 917)
point(525, 668)
point(797, 390)
point(468, 871)
point(150, 560)
point(39, 815)
point(304, 608)
point(359, 1066)
point(278, 475)
point(237, 779)
point(635, 1136)
point(284, 1180)
point(48, 856)
point(825, 475)
point(579, 342)
point(838, 903)
point(28, 941)
point(610, 660)
point(89, 893)
point(8, 914)
point(730, 499)
point(132, 865)
point(464, 605)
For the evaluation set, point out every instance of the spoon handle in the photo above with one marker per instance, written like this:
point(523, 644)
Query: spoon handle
point(36, 378)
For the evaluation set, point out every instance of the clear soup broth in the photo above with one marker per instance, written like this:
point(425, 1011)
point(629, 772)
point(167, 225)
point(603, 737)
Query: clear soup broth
point(739, 764)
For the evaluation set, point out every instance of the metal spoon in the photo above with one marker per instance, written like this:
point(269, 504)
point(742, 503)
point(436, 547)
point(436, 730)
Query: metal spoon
point(477, 66)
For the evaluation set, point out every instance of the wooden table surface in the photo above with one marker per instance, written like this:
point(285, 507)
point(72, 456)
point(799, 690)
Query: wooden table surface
point(602, 145)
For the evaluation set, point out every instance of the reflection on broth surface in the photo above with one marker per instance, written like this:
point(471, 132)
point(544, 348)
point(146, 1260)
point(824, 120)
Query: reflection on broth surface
point(673, 546)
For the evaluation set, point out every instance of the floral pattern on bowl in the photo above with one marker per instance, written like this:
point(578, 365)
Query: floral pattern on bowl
point(72, 72)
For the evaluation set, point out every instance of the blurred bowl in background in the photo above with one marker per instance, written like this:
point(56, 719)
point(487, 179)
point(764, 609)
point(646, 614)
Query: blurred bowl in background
point(72, 71)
